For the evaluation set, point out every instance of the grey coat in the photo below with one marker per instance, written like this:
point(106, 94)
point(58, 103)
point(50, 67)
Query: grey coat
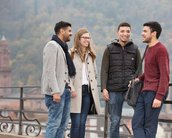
point(77, 83)
point(55, 70)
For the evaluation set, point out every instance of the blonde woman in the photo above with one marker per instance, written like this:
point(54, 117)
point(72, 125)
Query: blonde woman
point(85, 91)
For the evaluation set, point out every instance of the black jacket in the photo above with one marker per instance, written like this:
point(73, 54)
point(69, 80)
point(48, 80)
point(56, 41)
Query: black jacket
point(122, 63)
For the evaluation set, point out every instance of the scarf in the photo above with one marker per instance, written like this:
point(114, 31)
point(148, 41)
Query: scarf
point(71, 67)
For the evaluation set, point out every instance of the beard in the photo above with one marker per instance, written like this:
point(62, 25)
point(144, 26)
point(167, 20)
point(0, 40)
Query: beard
point(67, 39)
point(124, 41)
point(147, 40)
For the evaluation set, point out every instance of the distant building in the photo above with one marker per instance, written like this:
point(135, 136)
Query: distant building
point(5, 67)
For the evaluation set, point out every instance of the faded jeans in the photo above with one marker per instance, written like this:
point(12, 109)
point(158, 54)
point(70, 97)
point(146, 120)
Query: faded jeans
point(58, 115)
point(115, 110)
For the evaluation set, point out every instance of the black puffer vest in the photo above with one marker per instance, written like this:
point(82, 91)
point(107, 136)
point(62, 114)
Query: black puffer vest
point(122, 66)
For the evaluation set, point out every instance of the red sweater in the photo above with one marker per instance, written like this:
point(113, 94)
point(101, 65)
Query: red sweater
point(156, 70)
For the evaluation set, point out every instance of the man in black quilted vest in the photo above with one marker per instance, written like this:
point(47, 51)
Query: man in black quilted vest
point(119, 64)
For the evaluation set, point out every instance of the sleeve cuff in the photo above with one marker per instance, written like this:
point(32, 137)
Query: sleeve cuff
point(159, 97)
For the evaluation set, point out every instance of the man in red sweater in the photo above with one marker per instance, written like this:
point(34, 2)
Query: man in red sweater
point(156, 82)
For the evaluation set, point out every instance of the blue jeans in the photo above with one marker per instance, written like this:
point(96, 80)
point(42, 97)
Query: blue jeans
point(58, 115)
point(145, 119)
point(115, 110)
point(78, 120)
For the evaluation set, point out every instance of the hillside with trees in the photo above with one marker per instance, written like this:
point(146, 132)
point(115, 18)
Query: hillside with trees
point(28, 25)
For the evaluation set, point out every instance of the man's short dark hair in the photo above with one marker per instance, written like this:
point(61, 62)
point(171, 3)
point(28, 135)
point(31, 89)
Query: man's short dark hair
point(60, 25)
point(124, 24)
point(154, 26)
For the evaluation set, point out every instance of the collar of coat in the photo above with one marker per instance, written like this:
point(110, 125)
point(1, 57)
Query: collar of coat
point(116, 42)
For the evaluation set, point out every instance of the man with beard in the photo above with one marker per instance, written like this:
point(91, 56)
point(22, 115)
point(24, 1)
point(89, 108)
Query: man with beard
point(58, 67)
point(156, 82)
point(119, 64)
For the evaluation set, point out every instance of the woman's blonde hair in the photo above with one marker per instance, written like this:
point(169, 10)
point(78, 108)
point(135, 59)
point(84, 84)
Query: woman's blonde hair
point(77, 45)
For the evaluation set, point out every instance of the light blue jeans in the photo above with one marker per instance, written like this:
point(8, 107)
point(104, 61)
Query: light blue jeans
point(58, 115)
point(115, 110)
